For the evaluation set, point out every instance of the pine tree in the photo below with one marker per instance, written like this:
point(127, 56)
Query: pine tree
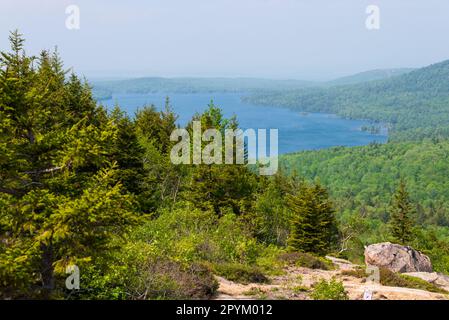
point(401, 211)
point(313, 226)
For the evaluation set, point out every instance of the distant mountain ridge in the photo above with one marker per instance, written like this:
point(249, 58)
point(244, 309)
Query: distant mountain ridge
point(192, 85)
point(105, 88)
point(371, 75)
point(415, 104)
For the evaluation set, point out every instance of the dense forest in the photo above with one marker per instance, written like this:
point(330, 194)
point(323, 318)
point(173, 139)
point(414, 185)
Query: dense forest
point(94, 188)
point(86, 186)
point(362, 179)
point(413, 105)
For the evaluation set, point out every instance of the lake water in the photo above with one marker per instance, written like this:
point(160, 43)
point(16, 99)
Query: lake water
point(297, 131)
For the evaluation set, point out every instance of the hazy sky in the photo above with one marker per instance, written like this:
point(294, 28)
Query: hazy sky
point(303, 39)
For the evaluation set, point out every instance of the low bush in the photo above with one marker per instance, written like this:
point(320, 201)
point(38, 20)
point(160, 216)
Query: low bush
point(306, 260)
point(356, 272)
point(329, 290)
point(240, 273)
point(138, 272)
point(389, 278)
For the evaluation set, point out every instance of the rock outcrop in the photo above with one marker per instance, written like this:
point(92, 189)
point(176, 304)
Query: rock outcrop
point(397, 258)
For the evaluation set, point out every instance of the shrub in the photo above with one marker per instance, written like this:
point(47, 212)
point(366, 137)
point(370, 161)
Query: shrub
point(357, 273)
point(389, 278)
point(306, 260)
point(329, 290)
point(240, 273)
point(137, 271)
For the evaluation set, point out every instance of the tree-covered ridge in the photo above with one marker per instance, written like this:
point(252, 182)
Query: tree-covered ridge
point(83, 186)
point(413, 105)
point(104, 89)
point(95, 188)
point(364, 178)
point(371, 75)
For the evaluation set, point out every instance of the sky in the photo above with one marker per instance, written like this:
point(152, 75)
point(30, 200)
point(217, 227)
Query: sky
point(279, 39)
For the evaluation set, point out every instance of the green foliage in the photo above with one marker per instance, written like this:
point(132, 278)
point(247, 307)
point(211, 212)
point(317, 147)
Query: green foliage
point(313, 226)
point(362, 181)
point(389, 278)
point(105, 89)
point(329, 290)
point(356, 273)
point(401, 221)
point(136, 272)
point(220, 187)
point(434, 242)
point(306, 260)
point(270, 217)
point(60, 188)
point(81, 185)
point(417, 283)
point(240, 273)
point(162, 181)
point(413, 105)
point(188, 234)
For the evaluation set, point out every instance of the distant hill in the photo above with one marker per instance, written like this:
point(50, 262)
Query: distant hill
point(414, 104)
point(371, 75)
point(103, 89)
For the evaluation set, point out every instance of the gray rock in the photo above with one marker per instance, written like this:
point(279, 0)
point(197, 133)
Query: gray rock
point(397, 258)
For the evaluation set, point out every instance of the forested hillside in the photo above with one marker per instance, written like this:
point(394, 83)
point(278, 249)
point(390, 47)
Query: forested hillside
point(103, 89)
point(413, 105)
point(362, 179)
point(94, 188)
point(366, 176)
point(370, 75)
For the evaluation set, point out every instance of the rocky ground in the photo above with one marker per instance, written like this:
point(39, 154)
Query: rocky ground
point(296, 284)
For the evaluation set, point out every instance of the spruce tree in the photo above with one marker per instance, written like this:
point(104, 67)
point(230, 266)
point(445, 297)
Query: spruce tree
point(401, 221)
point(220, 187)
point(313, 226)
point(61, 198)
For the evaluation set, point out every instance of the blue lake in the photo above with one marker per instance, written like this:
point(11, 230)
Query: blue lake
point(297, 131)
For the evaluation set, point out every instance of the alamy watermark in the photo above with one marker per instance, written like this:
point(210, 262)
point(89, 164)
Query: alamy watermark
point(73, 20)
point(240, 147)
point(372, 280)
point(72, 282)
point(372, 22)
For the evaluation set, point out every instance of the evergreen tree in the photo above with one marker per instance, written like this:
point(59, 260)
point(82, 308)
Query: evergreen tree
point(162, 180)
point(61, 197)
point(313, 226)
point(401, 211)
point(220, 187)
